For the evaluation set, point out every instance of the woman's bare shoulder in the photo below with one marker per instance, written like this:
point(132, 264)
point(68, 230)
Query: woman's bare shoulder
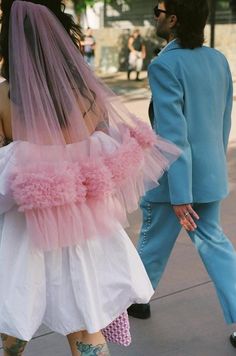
point(5, 111)
point(4, 89)
point(4, 84)
point(4, 97)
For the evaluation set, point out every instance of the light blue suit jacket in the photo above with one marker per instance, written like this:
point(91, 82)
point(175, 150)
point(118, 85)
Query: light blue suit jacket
point(192, 101)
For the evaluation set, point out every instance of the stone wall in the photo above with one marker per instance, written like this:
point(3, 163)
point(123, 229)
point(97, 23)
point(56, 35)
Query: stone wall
point(112, 53)
point(225, 41)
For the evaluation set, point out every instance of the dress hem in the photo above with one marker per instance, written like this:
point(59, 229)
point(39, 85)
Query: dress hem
point(89, 330)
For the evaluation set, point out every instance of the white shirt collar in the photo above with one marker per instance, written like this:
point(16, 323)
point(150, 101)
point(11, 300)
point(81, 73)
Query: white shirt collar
point(168, 44)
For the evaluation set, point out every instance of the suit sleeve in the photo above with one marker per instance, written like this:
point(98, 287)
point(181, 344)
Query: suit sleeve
point(228, 111)
point(170, 123)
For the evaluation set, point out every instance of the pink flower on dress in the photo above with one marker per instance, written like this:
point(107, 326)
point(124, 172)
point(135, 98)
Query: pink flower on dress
point(125, 161)
point(98, 179)
point(43, 189)
point(44, 186)
point(80, 187)
point(144, 135)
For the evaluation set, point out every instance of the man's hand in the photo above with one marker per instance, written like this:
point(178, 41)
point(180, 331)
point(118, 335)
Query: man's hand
point(186, 216)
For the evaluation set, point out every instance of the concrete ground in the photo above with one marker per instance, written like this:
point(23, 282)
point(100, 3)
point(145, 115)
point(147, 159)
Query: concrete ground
point(186, 317)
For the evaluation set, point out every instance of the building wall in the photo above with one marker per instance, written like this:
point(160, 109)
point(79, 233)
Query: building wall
point(225, 41)
point(111, 51)
point(127, 15)
point(113, 24)
point(119, 13)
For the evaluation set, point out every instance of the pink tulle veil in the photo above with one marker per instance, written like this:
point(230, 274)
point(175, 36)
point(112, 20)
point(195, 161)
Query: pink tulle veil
point(82, 159)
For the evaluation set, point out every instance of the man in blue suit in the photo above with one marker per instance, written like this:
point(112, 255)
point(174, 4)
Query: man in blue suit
point(192, 101)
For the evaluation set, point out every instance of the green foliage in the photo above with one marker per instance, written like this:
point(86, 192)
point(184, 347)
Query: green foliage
point(222, 4)
point(80, 5)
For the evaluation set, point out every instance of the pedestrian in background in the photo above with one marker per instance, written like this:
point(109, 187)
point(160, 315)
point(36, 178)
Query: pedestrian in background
point(89, 45)
point(137, 53)
point(191, 88)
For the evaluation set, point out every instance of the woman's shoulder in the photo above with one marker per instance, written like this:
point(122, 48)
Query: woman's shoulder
point(4, 86)
point(5, 112)
point(4, 89)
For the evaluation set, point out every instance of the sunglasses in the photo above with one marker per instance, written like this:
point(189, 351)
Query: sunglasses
point(158, 11)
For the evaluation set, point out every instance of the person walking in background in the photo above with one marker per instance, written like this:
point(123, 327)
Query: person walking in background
point(69, 150)
point(192, 100)
point(137, 53)
point(89, 45)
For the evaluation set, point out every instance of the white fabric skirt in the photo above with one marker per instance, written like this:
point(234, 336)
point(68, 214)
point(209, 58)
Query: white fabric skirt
point(83, 287)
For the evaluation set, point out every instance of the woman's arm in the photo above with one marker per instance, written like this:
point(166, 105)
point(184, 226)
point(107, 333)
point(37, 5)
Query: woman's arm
point(130, 44)
point(143, 51)
point(5, 113)
point(2, 135)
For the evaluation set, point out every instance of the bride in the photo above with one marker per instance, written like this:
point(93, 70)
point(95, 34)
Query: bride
point(73, 162)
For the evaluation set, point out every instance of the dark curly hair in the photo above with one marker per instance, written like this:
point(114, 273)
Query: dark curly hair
point(192, 17)
point(56, 6)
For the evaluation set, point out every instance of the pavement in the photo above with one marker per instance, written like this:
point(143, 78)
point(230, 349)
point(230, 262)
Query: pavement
point(186, 317)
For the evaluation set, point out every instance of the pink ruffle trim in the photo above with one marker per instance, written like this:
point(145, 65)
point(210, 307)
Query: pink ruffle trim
point(44, 187)
point(70, 201)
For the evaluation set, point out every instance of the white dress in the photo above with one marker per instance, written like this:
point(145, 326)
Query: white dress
point(69, 289)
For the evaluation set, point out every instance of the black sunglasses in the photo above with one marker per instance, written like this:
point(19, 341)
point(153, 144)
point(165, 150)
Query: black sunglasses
point(158, 11)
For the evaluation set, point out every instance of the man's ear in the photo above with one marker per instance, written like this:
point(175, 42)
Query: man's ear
point(173, 21)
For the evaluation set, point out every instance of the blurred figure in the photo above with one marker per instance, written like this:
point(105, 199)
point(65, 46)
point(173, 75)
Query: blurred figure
point(137, 53)
point(89, 45)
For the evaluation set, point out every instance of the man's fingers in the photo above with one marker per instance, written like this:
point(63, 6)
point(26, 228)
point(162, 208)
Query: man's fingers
point(186, 215)
point(187, 225)
point(187, 221)
point(190, 222)
point(193, 212)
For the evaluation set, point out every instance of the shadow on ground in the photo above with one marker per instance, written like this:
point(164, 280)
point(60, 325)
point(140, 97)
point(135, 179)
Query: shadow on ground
point(121, 86)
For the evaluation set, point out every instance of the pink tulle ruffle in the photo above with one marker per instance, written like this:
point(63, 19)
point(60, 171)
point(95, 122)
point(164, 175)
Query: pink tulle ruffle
point(44, 187)
point(81, 194)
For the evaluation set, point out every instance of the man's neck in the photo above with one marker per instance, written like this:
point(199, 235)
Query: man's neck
point(171, 38)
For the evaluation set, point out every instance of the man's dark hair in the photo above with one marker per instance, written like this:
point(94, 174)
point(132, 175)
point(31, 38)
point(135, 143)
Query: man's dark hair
point(192, 17)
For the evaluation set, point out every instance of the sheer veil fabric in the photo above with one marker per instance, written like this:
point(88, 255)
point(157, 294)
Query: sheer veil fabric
point(82, 159)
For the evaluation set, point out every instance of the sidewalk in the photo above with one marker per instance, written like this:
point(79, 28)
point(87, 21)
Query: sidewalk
point(186, 318)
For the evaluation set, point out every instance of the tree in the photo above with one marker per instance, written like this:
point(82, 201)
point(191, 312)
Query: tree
point(80, 5)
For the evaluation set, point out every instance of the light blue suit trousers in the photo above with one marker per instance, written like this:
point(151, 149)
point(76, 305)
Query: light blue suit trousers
point(159, 232)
